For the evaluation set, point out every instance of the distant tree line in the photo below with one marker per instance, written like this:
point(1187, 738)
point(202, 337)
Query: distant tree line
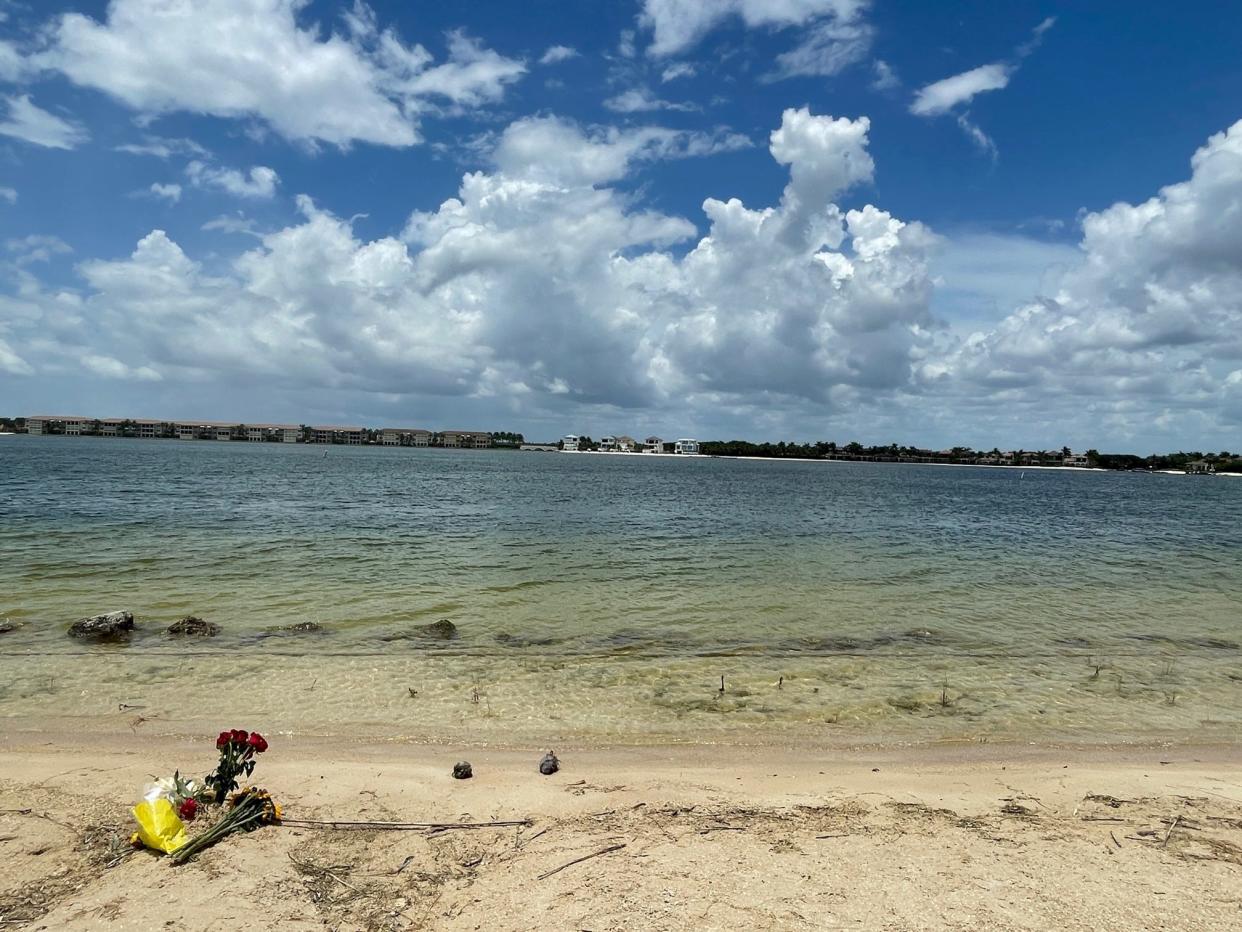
point(1224, 461)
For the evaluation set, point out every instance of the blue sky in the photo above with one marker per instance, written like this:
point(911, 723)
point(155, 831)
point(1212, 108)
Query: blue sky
point(1016, 224)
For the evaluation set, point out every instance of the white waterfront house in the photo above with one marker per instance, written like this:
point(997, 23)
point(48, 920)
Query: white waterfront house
point(608, 444)
point(569, 443)
point(653, 445)
point(1076, 459)
point(626, 444)
point(686, 446)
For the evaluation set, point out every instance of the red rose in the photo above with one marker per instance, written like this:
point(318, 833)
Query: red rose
point(188, 809)
point(258, 743)
point(241, 737)
point(225, 738)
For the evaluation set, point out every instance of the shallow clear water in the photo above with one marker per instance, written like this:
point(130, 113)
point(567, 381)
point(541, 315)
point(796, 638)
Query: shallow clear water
point(606, 595)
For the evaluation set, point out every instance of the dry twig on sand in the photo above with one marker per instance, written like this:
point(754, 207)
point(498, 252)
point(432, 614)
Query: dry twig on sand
point(307, 868)
point(1169, 833)
point(345, 825)
point(585, 857)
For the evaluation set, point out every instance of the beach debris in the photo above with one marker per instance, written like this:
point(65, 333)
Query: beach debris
point(159, 827)
point(193, 626)
point(462, 770)
point(549, 764)
point(318, 870)
point(585, 857)
point(1169, 833)
point(105, 626)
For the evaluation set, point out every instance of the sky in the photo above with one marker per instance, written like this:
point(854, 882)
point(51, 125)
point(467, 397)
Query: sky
point(975, 223)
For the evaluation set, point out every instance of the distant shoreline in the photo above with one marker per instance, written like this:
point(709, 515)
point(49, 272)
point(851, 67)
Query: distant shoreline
point(840, 462)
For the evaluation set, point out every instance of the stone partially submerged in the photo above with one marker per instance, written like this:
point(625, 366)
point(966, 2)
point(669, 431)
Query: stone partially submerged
point(109, 626)
point(193, 627)
point(442, 630)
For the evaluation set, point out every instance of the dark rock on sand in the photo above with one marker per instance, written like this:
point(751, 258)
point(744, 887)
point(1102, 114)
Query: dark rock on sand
point(7, 626)
point(193, 627)
point(442, 630)
point(549, 764)
point(462, 770)
point(106, 626)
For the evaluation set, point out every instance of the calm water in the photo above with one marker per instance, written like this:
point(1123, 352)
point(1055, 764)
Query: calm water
point(606, 596)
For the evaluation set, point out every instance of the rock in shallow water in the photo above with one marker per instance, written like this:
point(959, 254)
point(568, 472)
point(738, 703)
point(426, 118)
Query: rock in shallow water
point(462, 770)
point(442, 630)
point(7, 626)
point(194, 627)
point(549, 764)
point(109, 625)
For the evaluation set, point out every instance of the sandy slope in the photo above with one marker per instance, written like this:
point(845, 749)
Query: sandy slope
point(714, 838)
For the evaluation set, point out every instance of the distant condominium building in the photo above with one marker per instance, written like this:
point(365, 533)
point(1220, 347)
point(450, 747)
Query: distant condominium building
point(338, 434)
point(405, 437)
point(474, 439)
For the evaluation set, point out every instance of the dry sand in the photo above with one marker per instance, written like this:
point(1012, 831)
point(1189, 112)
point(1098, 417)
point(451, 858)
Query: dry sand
point(946, 837)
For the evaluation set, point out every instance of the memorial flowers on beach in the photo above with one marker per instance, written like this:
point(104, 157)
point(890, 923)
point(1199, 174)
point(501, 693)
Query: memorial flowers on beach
point(171, 802)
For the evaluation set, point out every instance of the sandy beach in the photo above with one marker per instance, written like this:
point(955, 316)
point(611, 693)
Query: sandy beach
point(954, 836)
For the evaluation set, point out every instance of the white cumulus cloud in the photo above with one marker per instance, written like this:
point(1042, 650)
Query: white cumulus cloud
point(538, 280)
point(641, 100)
point(942, 96)
point(265, 60)
point(1149, 317)
point(679, 24)
point(955, 93)
point(168, 192)
point(31, 124)
point(259, 182)
point(556, 54)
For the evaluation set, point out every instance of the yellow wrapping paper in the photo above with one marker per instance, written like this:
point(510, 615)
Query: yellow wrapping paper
point(159, 828)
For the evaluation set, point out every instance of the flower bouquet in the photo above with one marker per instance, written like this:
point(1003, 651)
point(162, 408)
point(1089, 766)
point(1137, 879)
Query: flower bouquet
point(237, 750)
point(250, 808)
point(170, 802)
